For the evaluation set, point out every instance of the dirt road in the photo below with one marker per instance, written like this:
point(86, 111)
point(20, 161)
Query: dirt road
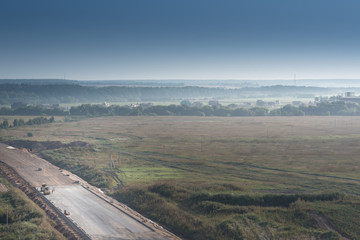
point(326, 224)
point(98, 215)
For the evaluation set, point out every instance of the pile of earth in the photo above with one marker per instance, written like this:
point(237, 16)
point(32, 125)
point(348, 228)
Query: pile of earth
point(35, 147)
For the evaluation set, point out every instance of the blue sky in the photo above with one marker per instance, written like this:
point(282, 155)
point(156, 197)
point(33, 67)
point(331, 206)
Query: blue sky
point(184, 39)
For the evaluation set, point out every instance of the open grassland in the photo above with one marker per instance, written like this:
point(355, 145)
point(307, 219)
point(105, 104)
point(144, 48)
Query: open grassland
point(221, 178)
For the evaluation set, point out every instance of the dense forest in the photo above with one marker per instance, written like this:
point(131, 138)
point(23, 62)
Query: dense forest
point(72, 93)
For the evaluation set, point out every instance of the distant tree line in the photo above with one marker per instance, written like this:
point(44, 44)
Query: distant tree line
point(21, 122)
point(72, 93)
point(322, 109)
point(338, 108)
point(33, 111)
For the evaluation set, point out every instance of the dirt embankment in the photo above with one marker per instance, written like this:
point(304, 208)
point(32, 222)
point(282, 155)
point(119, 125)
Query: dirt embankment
point(61, 225)
point(36, 147)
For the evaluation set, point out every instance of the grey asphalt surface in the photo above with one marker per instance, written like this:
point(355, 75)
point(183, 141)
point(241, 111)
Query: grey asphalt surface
point(99, 219)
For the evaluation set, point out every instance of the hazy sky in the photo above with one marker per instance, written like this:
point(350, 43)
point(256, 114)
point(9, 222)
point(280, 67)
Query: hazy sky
point(179, 39)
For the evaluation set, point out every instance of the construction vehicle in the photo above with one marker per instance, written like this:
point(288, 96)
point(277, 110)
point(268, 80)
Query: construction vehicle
point(45, 189)
point(42, 189)
point(66, 212)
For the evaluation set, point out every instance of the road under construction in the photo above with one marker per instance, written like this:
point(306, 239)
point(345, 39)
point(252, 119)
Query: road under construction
point(89, 213)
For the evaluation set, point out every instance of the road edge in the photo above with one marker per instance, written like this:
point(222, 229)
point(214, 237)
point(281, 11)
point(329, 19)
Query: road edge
point(67, 228)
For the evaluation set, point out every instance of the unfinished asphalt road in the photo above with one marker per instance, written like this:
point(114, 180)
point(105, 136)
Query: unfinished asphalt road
point(99, 216)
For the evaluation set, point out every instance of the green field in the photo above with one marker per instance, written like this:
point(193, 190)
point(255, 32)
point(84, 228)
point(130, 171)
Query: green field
point(220, 178)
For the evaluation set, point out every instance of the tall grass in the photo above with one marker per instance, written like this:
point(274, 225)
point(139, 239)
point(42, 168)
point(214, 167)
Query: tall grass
point(18, 212)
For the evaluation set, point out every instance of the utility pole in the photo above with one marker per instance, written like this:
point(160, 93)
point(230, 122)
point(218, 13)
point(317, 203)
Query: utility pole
point(19, 226)
point(7, 216)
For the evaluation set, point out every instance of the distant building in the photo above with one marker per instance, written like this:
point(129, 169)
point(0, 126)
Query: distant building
point(350, 97)
point(347, 97)
point(350, 94)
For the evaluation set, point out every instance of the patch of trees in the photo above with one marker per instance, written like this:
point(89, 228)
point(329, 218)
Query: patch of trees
point(20, 122)
point(4, 124)
point(322, 109)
